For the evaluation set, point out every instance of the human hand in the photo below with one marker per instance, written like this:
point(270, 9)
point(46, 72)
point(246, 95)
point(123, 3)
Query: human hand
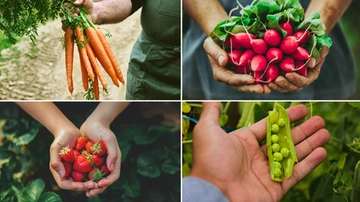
point(94, 131)
point(238, 166)
point(293, 82)
point(241, 82)
point(66, 137)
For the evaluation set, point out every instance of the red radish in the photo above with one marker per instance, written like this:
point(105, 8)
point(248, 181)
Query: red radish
point(259, 46)
point(274, 55)
point(272, 72)
point(302, 36)
point(258, 63)
point(301, 68)
point(272, 37)
point(286, 26)
point(301, 54)
point(287, 64)
point(241, 39)
point(258, 76)
point(289, 44)
point(242, 69)
point(246, 57)
point(234, 56)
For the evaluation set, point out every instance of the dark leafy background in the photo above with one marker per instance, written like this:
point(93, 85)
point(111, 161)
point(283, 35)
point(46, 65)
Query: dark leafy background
point(150, 168)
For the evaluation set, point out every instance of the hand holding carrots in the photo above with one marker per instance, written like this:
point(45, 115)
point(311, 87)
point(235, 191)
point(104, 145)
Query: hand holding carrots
point(92, 47)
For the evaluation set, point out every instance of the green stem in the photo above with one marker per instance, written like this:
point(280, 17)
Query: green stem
point(226, 108)
point(87, 22)
point(195, 105)
point(187, 141)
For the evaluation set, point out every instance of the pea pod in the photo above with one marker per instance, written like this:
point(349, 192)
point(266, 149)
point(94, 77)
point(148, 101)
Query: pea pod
point(279, 134)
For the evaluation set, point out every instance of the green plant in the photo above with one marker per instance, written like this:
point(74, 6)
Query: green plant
point(336, 179)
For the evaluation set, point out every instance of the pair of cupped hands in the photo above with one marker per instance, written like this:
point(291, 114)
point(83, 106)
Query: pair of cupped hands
point(291, 82)
point(67, 137)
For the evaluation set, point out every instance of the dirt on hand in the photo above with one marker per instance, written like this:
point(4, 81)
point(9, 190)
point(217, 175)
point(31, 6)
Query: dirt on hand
point(38, 72)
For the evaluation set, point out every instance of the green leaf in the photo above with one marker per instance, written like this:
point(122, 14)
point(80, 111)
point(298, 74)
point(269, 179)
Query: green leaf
point(148, 165)
point(170, 166)
point(125, 147)
point(274, 21)
point(187, 158)
point(24, 139)
point(323, 41)
point(263, 7)
point(313, 20)
point(133, 188)
point(33, 190)
point(50, 197)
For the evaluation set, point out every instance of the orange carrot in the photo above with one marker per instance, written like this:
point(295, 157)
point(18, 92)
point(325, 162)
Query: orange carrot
point(95, 65)
point(84, 74)
point(96, 89)
point(82, 52)
point(111, 56)
point(101, 54)
point(69, 58)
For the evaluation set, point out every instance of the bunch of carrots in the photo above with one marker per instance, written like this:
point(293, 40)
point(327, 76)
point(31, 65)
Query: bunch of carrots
point(92, 46)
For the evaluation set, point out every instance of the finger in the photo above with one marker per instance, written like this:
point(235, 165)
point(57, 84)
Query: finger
point(230, 78)
point(304, 167)
point(313, 73)
point(298, 80)
point(210, 113)
point(250, 88)
point(55, 161)
point(307, 128)
point(283, 85)
point(93, 192)
point(295, 113)
point(316, 140)
point(216, 52)
point(78, 2)
point(90, 185)
point(114, 174)
point(71, 185)
point(312, 63)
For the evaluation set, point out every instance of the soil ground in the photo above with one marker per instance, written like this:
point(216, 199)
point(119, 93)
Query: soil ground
point(38, 72)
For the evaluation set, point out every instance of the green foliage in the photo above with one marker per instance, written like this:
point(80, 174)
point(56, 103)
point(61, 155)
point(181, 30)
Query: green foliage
point(262, 14)
point(337, 178)
point(22, 17)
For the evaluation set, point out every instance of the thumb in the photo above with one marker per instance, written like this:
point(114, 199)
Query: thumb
point(210, 114)
point(58, 167)
point(112, 156)
point(215, 52)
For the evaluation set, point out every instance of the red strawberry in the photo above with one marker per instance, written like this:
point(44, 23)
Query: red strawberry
point(97, 148)
point(69, 154)
point(68, 168)
point(77, 176)
point(97, 160)
point(80, 143)
point(105, 170)
point(95, 174)
point(82, 163)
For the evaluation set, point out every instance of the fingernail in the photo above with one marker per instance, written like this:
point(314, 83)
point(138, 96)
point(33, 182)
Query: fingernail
point(221, 60)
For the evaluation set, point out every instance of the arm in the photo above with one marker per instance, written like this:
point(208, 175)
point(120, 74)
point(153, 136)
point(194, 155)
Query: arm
point(98, 124)
point(330, 11)
point(207, 15)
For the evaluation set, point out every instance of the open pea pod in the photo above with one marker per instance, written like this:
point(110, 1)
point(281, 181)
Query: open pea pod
point(280, 146)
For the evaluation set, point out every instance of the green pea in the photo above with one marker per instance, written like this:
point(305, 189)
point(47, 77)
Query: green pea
point(275, 138)
point(281, 122)
point(277, 156)
point(285, 152)
point(275, 147)
point(277, 172)
point(275, 128)
point(277, 164)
